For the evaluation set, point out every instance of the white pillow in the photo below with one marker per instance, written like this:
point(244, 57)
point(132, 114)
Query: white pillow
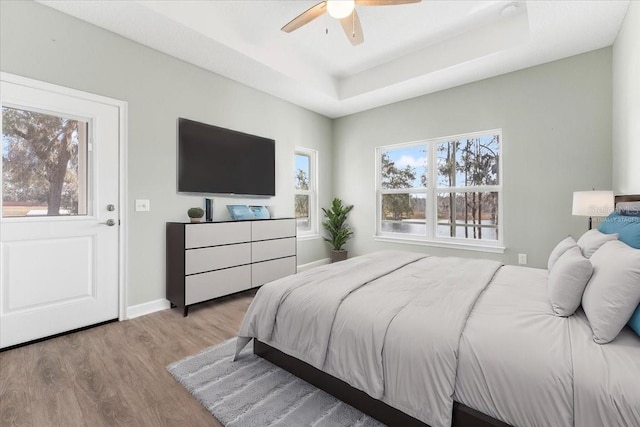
point(560, 249)
point(567, 280)
point(591, 241)
point(613, 292)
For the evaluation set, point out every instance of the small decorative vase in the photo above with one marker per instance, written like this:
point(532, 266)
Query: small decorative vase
point(196, 219)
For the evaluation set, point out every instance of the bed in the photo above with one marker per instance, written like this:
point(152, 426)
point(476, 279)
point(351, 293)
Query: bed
point(417, 340)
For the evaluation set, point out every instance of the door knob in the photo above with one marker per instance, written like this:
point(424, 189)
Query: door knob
point(110, 222)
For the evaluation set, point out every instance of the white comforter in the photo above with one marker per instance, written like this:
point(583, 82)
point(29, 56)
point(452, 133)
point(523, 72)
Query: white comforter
point(392, 332)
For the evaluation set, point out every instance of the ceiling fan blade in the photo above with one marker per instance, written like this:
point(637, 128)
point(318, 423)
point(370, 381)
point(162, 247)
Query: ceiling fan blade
point(352, 28)
point(384, 2)
point(306, 17)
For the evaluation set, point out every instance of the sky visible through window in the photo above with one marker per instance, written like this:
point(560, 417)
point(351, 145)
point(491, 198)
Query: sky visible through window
point(302, 162)
point(416, 157)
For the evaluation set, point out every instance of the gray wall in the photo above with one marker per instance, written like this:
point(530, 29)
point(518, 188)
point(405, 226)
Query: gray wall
point(556, 122)
point(626, 104)
point(41, 43)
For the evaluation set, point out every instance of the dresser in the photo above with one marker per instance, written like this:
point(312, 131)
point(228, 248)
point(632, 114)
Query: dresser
point(214, 259)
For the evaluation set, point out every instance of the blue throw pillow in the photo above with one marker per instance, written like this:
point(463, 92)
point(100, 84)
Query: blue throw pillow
point(260, 212)
point(627, 227)
point(635, 321)
point(240, 212)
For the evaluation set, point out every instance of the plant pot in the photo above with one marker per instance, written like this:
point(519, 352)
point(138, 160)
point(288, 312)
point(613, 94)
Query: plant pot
point(340, 255)
point(196, 219)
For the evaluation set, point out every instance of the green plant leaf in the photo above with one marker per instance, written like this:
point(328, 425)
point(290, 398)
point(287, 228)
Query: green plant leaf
point(338, 230)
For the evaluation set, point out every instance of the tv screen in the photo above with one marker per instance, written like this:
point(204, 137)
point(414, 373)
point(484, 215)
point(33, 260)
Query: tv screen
point(222, 161)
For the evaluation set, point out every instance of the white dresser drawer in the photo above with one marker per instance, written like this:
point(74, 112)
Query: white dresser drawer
point(271, 249)
point(263, 272)
point(205, 286)
point(223, 233)
point(207, 259)
point(264, 230)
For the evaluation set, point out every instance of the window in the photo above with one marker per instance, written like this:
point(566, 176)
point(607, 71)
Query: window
point(445, 191)
point(44, 164)
point(305, 191)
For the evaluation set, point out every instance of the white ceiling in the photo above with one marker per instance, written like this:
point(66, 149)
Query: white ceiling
point(409, 50)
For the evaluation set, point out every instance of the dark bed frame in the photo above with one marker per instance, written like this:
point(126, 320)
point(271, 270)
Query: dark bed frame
point(463, 416)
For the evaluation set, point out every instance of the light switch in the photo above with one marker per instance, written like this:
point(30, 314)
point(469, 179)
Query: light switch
point(142, 205)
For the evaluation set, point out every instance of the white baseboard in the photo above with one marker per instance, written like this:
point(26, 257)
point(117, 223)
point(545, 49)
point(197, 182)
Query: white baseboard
point(310, 265)
point(147, 308)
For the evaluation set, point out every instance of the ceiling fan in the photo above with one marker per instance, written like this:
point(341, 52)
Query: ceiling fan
point(343, 10)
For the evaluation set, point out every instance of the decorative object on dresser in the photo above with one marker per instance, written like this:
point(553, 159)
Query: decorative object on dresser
point(215, 259)
point(260, 212)
point(337, 228)
point(208, 207)
point(195, 214)
point(240, 212)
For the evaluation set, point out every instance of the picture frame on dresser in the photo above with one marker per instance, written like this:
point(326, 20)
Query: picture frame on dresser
point(210, 260)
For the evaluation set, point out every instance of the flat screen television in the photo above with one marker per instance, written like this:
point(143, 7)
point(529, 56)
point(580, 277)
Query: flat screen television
point(216, 160)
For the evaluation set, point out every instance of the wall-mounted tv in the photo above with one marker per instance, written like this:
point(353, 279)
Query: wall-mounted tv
point(215, 160)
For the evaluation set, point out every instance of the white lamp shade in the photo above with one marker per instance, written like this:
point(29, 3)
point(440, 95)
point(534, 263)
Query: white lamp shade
point(592, 203)
point(340, 8)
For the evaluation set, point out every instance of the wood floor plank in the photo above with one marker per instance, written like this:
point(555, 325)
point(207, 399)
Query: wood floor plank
point(60, 408)
point(15, 407)
point(115, 374)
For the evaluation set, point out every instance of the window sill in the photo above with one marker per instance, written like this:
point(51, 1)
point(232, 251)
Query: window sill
point(304, 237)
point(442, 244)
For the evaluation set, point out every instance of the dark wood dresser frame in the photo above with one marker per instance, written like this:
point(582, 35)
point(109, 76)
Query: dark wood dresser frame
point(463, 416)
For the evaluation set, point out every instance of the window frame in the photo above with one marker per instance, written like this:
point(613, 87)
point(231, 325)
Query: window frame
point(312, 192)
point(430, 236)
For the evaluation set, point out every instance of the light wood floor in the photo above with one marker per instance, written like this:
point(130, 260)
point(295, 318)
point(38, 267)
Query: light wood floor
point(115, 374)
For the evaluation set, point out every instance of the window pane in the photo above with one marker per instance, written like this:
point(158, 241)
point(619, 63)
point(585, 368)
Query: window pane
point(44, 166)
point(469, 162)
point(404, 168)
point(472, 216)
point(303, 220)
point(302, 172)
point(404, 213)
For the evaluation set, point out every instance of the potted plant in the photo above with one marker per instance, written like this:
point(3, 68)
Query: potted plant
point(195, 214)
point(337, 228)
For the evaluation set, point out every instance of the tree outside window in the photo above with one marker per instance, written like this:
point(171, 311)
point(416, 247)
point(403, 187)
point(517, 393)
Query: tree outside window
point(43, 164)
point(304, 191)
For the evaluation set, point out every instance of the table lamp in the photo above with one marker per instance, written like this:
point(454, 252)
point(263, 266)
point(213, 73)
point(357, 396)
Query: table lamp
point(592, 203)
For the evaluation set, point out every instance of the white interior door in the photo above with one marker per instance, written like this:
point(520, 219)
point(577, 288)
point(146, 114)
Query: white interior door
point(59, 238)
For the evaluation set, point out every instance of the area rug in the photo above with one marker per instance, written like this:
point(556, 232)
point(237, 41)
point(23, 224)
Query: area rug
point(252, 392)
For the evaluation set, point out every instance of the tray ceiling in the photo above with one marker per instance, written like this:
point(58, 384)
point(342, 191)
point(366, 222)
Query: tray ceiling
point(409, 50)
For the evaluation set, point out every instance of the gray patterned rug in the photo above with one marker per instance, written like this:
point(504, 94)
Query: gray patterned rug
point(253, 392)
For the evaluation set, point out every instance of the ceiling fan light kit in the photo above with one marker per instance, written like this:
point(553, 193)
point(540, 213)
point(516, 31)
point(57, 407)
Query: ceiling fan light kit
point(345, 12)
point(340, 8)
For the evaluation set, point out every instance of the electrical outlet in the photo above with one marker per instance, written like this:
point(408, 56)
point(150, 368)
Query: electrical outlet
point(142, 205)
point(522, 259)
